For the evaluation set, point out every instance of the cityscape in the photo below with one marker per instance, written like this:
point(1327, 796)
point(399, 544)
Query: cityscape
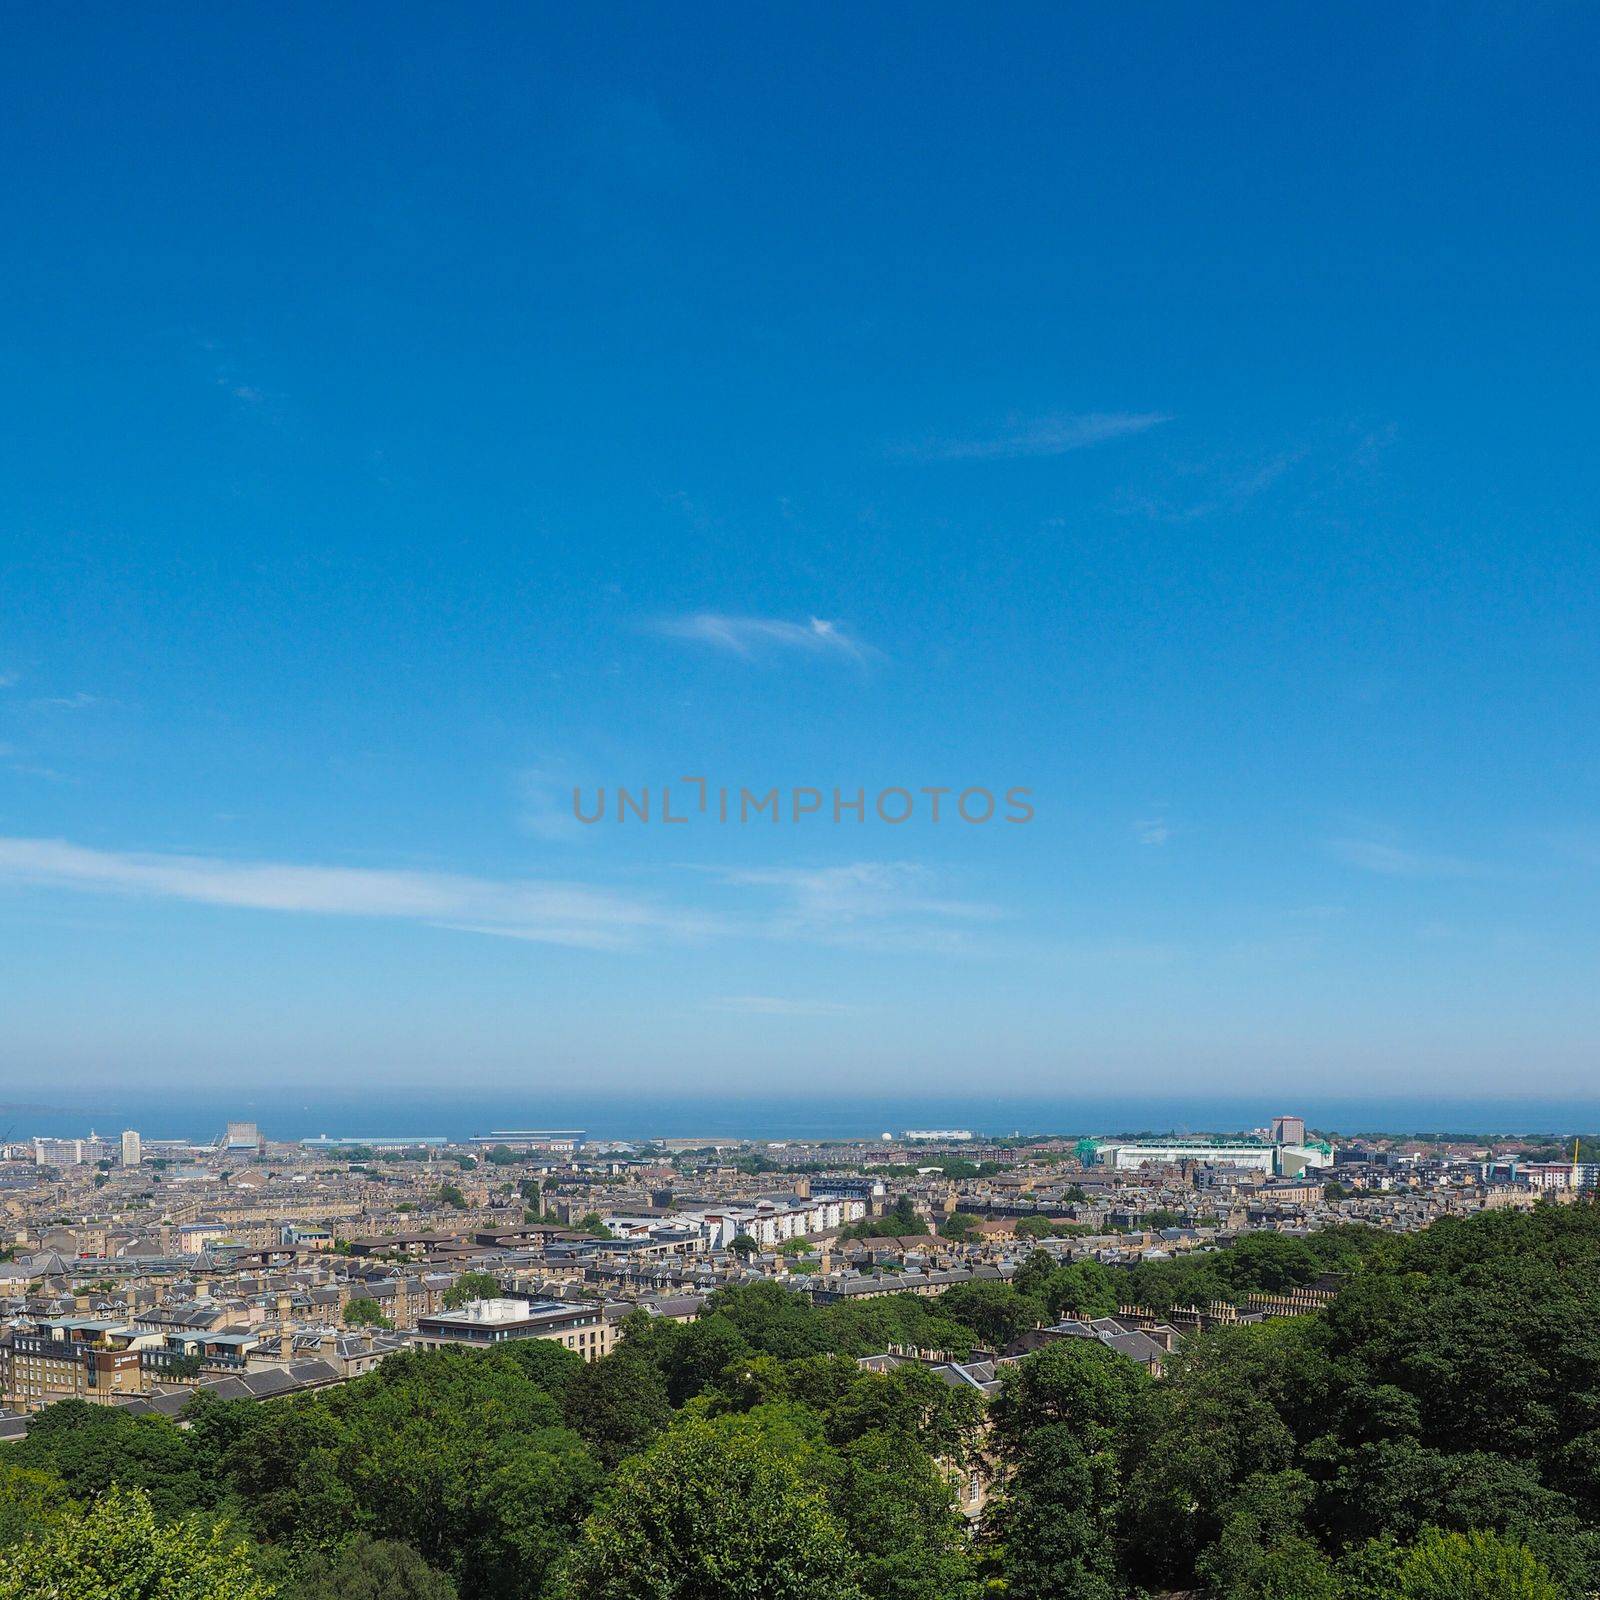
point(800, 803)
point(147, 1281)
point(139, 1272)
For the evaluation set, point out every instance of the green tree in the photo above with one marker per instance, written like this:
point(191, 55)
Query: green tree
point(1192, 1439)
point(1263, 1551)
point(117, 1549)
point(772, 1319)
point(1449, 1566)
point(1082, 1289)
point(959, 1227)
point(542, 1362)
point(908, 1401)
point(90, 1447)
point(372, 1569)
point(527, 1507)
point(994, 1311)
point(713, 1509)
point(1059, 1423)
point(695, 1353)
point(1034, 1273)
point(743, 1245)
point(898, 1514)
point(472, 1286)
point(364, 1312)
point(618, 1404)
point(29, 1499)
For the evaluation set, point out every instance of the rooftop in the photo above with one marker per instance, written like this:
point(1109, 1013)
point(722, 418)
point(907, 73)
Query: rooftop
point(501, 1312)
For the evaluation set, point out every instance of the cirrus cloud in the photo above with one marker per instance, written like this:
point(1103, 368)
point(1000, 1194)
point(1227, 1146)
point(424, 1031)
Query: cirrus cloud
point(887, 906)
point(1039, 436)
point(750, 636)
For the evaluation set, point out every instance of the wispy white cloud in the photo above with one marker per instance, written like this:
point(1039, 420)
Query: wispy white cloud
point(1394, 861)
point(77, 701)
point(886, 904)
point(1195, 492)
point(1153, 831)
point(1311, 475)
point(771, 1005)
point(1039, 436)
point(32, 769)
point(749, 636)
point(551, 913)
point(881, 905)
point(237, 385)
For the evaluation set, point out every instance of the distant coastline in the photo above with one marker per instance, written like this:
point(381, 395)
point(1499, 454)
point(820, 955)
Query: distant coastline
point(286, 1116)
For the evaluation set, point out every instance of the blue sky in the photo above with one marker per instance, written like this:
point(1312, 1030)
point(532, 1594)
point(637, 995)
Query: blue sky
point(1186, 413)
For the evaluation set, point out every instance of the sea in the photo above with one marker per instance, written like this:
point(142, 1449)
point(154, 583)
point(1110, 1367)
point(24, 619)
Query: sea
point(286, 1114)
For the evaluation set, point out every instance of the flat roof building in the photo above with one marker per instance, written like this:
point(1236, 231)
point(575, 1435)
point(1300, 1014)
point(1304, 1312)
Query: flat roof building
point(1255, 1155)
point(483, 1323)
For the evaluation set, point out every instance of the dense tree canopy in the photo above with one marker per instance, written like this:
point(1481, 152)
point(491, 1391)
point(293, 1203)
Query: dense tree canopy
point(1434, 1434)
point(714, 1509)
point(371, 1569)
point(120, 1550)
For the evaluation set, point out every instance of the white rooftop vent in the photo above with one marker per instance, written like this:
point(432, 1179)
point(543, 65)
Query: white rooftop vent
point(496, 1310)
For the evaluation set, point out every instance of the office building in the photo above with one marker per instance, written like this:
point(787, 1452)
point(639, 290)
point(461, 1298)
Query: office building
point(482, 1323)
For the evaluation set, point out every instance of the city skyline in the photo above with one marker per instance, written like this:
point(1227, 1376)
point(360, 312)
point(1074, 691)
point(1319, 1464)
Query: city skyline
point(533, 406)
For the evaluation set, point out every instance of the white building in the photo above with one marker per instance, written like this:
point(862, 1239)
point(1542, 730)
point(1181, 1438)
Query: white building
point(132, 1151)
point(59, 1152)
point(1249, 1155)
point(770, 1221)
